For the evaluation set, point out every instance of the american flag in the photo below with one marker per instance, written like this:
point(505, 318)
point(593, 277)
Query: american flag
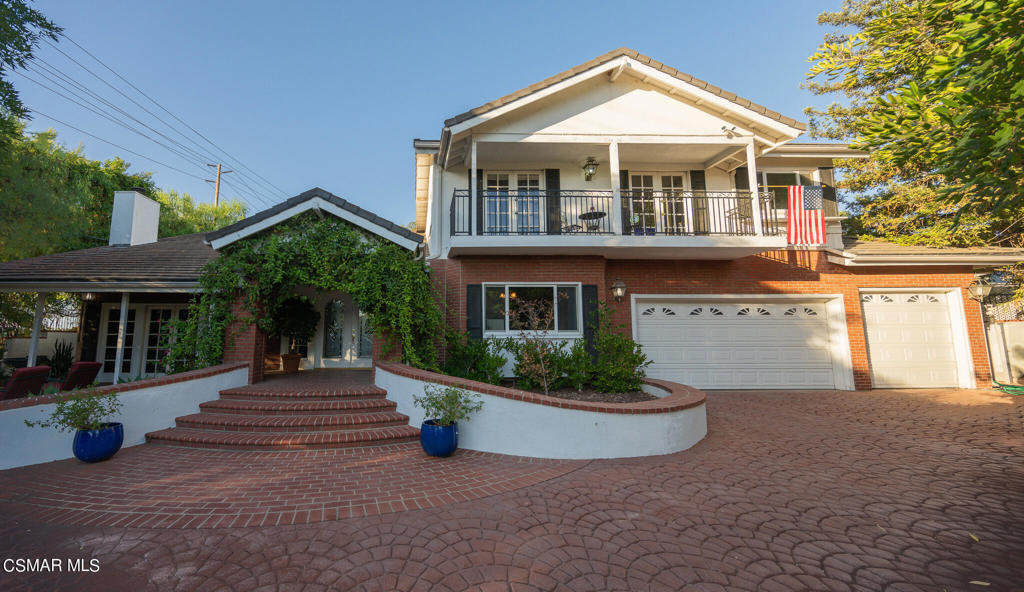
point(806, 217)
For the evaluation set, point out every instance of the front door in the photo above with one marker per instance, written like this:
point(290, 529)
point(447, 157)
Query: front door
point(345, 338)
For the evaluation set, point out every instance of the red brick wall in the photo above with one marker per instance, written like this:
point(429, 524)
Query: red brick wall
point(782, 272)
point(245, 342)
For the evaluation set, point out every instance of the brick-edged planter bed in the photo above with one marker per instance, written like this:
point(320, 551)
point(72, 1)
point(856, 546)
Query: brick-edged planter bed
point(523, 423)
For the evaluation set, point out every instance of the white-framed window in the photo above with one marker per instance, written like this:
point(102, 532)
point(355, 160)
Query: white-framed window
point(514, 202)
point(778, 182)
point(146, 337)
point(500, 306)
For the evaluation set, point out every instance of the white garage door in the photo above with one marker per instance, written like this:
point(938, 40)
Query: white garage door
point(910, 340)
point(737, 345)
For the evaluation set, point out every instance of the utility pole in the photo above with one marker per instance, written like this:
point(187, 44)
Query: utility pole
point(216, 183)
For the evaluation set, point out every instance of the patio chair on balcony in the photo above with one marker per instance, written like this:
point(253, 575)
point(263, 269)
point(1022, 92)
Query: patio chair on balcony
point(81, 374)
point(25, 382)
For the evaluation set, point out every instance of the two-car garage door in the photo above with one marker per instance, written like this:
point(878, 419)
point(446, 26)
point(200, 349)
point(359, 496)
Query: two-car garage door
point(738, 345)
point(795, 344)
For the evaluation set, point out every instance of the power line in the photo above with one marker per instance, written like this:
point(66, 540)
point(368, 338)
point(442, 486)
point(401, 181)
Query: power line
point(190, 157)
point(117, 90)
point(118, 146)
point(165, 110)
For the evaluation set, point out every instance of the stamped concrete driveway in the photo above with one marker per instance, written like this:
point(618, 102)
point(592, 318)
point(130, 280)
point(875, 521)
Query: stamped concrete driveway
point(815, 491)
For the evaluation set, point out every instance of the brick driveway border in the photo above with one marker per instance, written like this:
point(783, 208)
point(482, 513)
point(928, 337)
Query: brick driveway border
point(884, 490)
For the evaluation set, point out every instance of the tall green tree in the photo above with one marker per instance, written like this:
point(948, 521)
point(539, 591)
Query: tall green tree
point(916, 187)
point(22, 28)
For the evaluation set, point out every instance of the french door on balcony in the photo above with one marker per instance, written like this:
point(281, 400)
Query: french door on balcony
point(657, 204)
point(514, 203)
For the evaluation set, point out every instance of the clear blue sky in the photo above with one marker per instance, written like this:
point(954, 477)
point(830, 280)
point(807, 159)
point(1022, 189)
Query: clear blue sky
point(331, 94)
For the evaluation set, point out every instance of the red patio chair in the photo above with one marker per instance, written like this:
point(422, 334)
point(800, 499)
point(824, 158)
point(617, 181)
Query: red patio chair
point(24, 382)
point(80, 375)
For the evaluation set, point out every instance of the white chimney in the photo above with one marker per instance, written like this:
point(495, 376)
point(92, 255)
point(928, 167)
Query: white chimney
point(135, 219)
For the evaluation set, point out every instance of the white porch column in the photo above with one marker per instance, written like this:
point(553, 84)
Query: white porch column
point(613, 170)
point(122, 328)
point(37, 326)
point(472, 187)
point(755, 196)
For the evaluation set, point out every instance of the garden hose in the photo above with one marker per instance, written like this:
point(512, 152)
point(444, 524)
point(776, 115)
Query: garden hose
point(1009, 389)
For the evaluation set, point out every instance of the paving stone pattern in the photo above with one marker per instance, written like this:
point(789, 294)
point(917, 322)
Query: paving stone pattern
point(893, 491)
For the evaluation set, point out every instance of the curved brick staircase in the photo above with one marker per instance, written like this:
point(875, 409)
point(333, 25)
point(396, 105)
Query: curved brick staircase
point(308, 410)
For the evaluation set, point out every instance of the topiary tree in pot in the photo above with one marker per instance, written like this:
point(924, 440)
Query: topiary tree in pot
point(296, 320)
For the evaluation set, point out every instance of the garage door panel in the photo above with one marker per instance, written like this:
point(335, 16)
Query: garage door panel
point(738, 345)
point(910, 340)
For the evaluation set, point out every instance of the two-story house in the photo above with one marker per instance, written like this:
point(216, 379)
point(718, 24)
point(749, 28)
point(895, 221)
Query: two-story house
point(628, 181)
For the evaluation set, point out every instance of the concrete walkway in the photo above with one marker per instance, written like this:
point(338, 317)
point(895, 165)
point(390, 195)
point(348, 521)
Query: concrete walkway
point(872, 491)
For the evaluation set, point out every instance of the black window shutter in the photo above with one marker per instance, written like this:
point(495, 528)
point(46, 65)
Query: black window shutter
point(624, 187)
point(480, 201)
point(475, 311)
point(589, 298)
point(828, 184)
point(742, 182)
point(552, 184)
point(698, 182)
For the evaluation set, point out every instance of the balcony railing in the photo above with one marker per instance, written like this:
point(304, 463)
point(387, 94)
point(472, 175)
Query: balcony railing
point(588, 213)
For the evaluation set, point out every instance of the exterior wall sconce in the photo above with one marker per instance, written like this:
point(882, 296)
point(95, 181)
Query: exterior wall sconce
point(979, 289)
point(589, 168)
point(618, 289)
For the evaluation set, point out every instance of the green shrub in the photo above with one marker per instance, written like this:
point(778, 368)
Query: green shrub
point(620, 362)
point(575, 367)
point(447, 404)
point(63, 357)
point(80, 411)
point(474, 359)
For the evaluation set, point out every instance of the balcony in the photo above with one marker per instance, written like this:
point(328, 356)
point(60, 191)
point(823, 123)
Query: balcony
point(648, 224)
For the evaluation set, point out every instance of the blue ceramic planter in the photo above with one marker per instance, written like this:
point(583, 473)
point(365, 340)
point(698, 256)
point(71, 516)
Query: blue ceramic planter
point(96, 445)
point(439, 440)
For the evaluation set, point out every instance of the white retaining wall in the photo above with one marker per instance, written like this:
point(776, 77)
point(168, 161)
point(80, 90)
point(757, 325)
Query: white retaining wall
point(507, 426)
point(144, 410)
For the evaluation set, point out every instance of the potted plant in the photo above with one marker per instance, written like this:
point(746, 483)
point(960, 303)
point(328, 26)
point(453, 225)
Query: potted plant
point(296, 321)
point(96, 439)
point(444, 406)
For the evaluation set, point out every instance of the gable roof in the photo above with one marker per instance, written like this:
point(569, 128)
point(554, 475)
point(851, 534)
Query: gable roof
point(175, 260)
point(315, 199)
point(633, 54)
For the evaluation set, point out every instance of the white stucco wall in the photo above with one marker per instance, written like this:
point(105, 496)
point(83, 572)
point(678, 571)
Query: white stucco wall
point(507, 426)
point(144, 410)
point(1006, 347)
point(17, 347)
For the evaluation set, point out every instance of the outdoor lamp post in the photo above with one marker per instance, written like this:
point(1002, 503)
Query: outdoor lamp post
point(979, 289)
point(590, 168)
point(618, 289)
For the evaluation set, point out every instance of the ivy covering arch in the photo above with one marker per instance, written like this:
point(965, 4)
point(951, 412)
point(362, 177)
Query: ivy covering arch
point(386, 281)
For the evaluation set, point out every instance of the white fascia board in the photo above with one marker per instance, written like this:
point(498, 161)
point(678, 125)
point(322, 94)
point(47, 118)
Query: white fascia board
point(102, 286)
point(851, 260)
point(703, 96)
point(315, 204)
point(641, 71)
point(536, 96)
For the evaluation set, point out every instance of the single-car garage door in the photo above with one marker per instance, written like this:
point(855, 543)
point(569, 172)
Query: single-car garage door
point(737, 345)
point(910, 340)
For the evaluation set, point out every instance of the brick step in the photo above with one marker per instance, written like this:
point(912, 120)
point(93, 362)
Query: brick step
point(195, 438)
point(264, 394)
point(333, 407)
point(291, 423)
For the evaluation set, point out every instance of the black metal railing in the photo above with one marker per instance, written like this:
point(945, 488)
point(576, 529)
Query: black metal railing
point(532, 211)
point(644, 213)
